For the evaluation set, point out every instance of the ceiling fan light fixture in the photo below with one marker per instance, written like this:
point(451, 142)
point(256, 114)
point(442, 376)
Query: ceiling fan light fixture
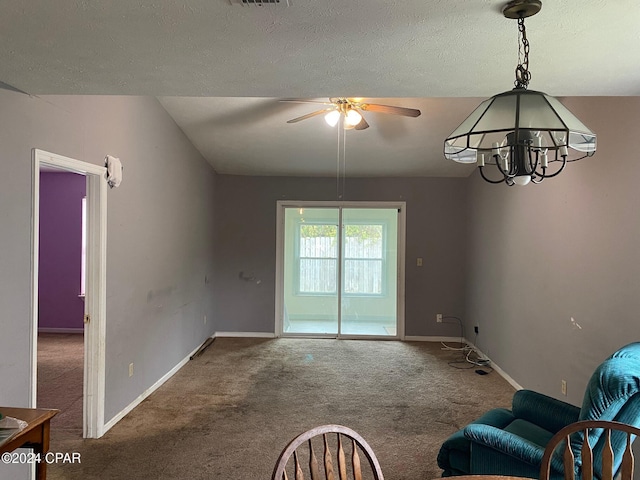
point(353, 117)
point(520, 132)
point(350, 110)
point(332, 118)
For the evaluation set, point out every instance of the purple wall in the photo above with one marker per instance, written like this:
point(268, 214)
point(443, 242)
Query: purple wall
point(60, 250)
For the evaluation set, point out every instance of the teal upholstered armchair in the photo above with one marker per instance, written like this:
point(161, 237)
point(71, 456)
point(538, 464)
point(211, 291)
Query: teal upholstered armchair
point(512, 442)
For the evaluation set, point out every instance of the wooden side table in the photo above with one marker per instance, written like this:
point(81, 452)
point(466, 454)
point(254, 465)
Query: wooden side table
point(35, 435)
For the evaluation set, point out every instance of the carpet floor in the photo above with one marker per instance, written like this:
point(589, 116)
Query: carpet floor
point(228, 413)
point(60, 378)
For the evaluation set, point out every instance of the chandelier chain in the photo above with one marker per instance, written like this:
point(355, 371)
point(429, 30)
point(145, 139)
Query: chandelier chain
point(523, 75)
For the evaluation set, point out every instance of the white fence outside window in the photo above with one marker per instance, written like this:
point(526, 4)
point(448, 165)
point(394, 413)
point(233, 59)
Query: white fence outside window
point(363, 259)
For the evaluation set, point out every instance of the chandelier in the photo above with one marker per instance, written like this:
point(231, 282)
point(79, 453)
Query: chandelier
point(522, 135)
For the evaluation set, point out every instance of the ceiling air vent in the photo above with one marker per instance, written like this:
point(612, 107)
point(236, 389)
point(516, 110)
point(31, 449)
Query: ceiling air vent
point(260, 3)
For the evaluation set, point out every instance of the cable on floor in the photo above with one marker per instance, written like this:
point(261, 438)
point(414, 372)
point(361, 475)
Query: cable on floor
point(471, 359)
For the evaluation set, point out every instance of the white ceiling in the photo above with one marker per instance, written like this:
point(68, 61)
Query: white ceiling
point(432, 55)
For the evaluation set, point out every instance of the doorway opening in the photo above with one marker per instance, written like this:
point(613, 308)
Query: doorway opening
point(340, 269)
point(91, 292)
point(61, 293)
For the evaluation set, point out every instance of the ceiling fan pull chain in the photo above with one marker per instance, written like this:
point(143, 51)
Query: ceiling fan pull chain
point(344, 162)
point(340, 129)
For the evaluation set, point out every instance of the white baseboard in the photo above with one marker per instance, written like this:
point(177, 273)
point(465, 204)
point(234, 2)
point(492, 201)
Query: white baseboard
point(147, 392)
point(504, 375)
point(245, 334)
point(60, 330)
point(498, 370)
point(418, 338)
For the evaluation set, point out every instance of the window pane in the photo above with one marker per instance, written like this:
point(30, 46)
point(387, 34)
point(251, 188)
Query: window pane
point(363, 259)
point(318, 258)
point(318, 241)
point(363, 241)
point(317, 276)
point(363, 255)
point(363, 276)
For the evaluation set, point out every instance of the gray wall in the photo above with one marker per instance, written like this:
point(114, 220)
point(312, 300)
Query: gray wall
point(568, 248)
point(518, 262)
point(159, 234)
point(245, 241)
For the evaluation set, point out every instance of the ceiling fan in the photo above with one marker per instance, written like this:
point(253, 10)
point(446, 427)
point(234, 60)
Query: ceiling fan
point(350, 109)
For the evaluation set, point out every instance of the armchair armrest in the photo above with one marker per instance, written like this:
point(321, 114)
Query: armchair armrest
point(504, 453)
point(505, 442)
point(544, 411)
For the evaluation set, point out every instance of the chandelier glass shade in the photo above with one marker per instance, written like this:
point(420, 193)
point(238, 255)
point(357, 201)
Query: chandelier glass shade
point(525, 135)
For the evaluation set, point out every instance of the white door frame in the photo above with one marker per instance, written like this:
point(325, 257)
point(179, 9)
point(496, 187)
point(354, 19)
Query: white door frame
point(96, 281)
point(282, 204)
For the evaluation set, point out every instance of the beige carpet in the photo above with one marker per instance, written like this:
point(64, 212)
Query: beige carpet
point(60, 378)
point(228, 413)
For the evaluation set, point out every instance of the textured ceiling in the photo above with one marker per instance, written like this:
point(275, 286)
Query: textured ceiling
point(415, 53)
point(245, 136)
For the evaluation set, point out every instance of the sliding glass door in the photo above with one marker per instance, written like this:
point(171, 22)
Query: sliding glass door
point(311, 271)
point(369, 271)
point(339, 271)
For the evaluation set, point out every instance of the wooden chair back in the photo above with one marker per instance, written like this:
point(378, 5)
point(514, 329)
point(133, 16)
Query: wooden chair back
point(345, 443)
point(608, 462)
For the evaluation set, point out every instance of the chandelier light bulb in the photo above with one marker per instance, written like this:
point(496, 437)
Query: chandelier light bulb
point(537, 142)
point(544, 160)
point(495, 149)
point(522, 180)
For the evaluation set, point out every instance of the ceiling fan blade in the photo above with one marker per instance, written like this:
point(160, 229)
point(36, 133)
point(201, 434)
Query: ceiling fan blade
point(374, 107)
point(309, 115)
point(293, 100)
point(362, 125)
point(6, 86)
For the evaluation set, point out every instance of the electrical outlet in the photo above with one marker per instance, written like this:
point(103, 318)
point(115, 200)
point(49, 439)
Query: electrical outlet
point(419, 262)
point(204, 320)
point(476, 329)
point(439, 318)
point(131, 369)
point(563, 387)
